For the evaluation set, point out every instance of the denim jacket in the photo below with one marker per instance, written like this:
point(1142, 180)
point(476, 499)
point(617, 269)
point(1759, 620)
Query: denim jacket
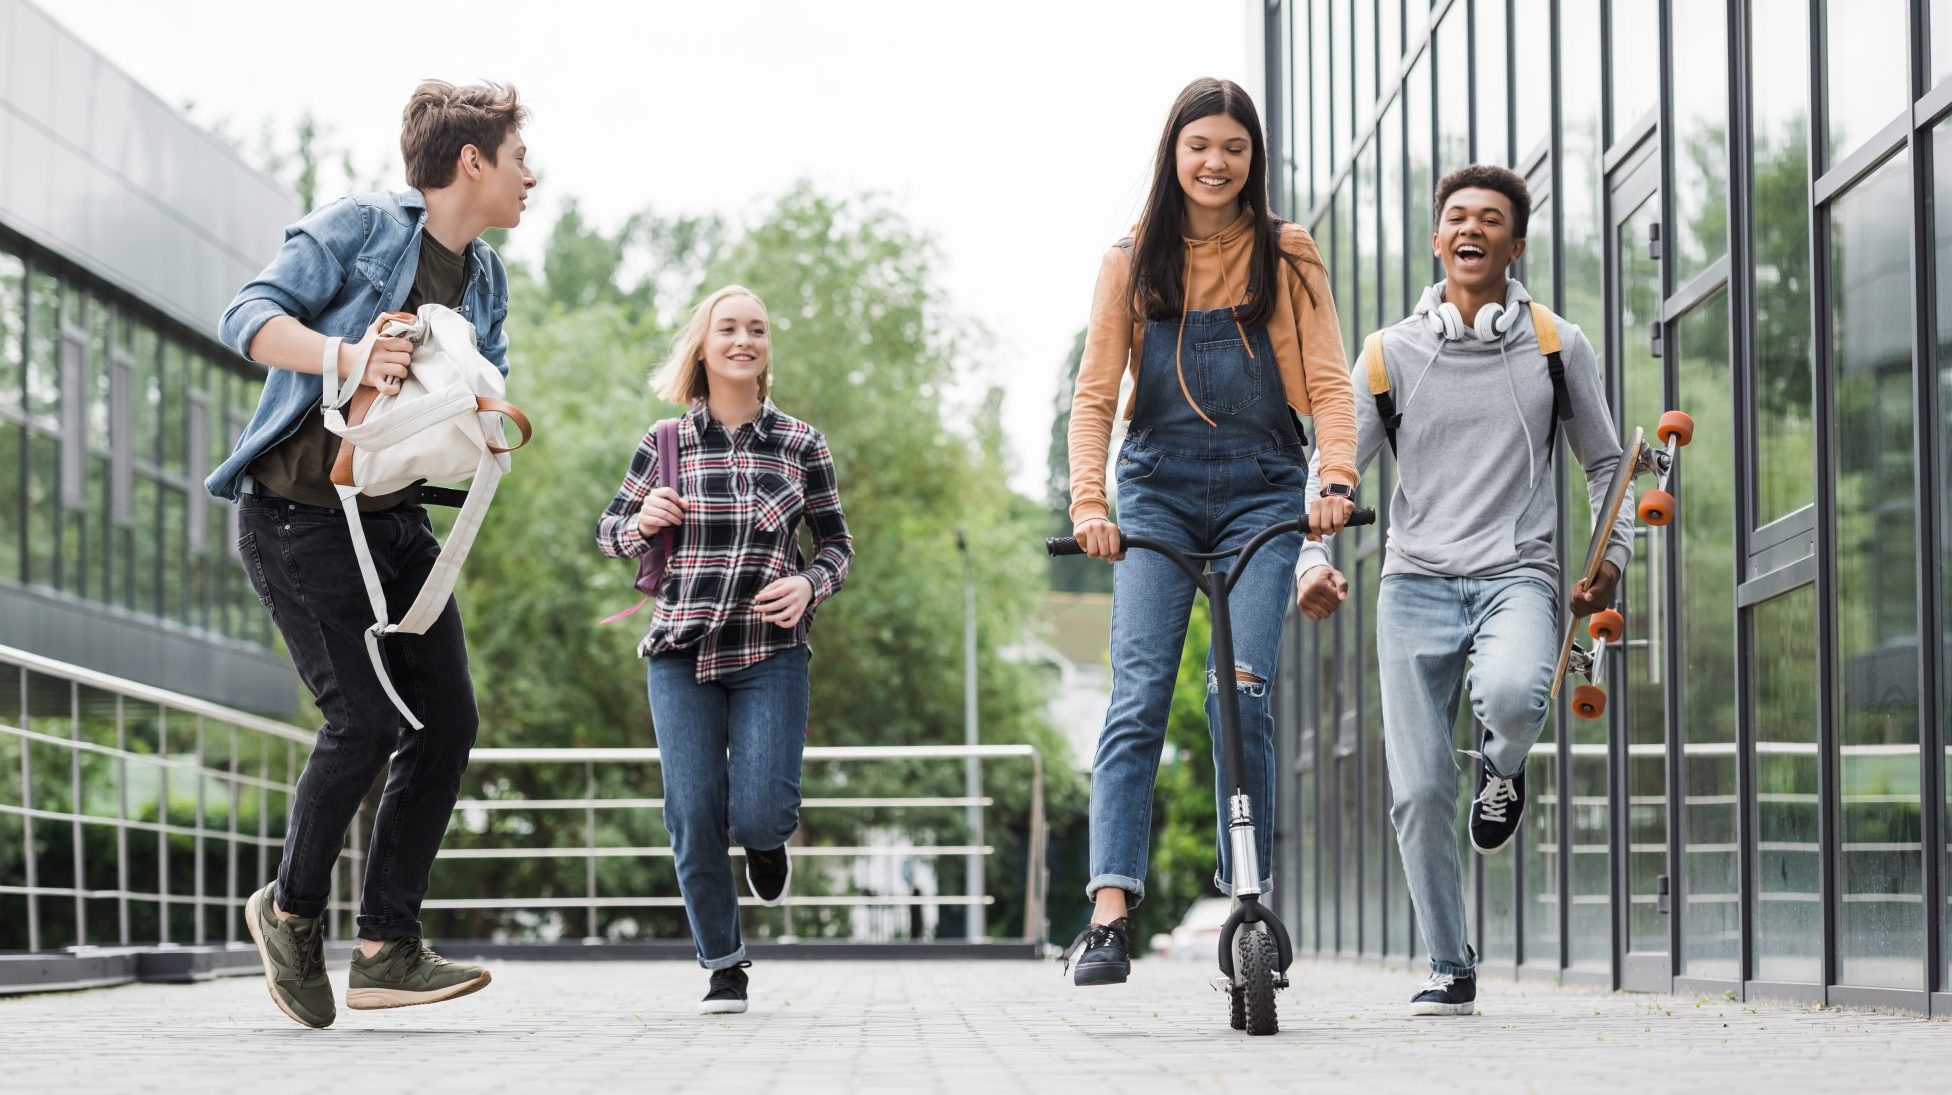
point(339, 268)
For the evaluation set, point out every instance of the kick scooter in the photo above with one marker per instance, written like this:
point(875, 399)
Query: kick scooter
point(1255, 951)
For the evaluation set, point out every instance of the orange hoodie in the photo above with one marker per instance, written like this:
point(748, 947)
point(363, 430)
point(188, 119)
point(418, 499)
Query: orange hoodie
point(1307, 342)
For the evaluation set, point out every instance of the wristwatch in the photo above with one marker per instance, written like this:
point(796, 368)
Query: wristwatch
point(1338, 490)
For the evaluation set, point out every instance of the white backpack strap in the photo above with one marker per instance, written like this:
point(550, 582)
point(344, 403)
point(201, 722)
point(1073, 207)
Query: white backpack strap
point(404, 420)
point(439, 586)
point(336, 395)
point(375, 595)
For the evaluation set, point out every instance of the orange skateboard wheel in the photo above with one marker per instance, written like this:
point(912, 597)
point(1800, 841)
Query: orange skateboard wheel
point(1657, 507)
point(1589, 701)
point(1677, 426)
point(1607, 626)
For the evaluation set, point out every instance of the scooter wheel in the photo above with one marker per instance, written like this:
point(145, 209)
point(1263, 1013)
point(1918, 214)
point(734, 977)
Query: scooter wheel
point(1257, 971)
point(1237, 1008)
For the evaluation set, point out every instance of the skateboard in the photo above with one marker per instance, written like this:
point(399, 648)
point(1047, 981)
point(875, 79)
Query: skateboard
point(1656, 508)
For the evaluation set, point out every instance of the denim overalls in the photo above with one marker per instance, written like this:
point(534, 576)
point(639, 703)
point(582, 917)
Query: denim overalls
point(1199, 487)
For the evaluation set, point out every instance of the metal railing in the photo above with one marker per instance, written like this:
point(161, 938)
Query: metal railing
point(173, 811)
point(599, 814)
point(171, 805)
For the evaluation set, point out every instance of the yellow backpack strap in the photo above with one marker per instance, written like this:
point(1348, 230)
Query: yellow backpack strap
point(1372, 359)
point(1546, 327)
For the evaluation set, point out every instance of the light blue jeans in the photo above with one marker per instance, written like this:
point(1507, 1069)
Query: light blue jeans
point(731, 750)
point(1426, 629)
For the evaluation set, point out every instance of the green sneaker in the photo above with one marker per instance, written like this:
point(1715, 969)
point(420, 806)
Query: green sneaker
point(293, 952)
point(407, 972)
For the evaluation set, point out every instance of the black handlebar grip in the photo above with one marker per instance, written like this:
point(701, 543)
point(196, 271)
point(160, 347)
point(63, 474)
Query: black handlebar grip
point(1364, 515)
point(1063, 545)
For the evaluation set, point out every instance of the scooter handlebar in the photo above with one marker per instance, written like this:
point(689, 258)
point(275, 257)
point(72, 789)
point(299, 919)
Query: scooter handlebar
point(1068, 545)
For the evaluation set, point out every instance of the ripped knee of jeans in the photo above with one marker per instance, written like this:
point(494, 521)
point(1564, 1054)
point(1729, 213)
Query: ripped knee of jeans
point(1245, 680)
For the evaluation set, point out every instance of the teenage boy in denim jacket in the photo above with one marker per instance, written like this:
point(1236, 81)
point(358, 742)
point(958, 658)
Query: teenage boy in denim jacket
point(339, 271)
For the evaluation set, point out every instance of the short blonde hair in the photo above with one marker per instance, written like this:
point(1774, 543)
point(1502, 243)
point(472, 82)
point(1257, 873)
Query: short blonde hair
point(682, 378)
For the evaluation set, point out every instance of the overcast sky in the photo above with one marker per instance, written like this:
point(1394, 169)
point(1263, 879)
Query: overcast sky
point(1017, 133)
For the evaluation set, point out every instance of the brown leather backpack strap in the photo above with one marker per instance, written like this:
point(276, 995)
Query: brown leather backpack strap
point(508, 410)
point(362, 401)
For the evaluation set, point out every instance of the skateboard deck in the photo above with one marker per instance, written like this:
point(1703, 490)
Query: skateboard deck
point(1657, 508)
point(1632, 458)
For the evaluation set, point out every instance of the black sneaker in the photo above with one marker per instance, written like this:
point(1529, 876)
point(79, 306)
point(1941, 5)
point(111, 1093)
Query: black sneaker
point(769, 873)
point(1495, 811)
point(1104, 954)
point(728, 992)
point(1447, 994)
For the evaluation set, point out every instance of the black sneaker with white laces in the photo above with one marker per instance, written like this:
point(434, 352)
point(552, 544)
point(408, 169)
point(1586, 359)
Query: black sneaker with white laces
point(1104, 954)
point(1447, 994)
point(728, 992)
point(769, 873)
point(1496, 810)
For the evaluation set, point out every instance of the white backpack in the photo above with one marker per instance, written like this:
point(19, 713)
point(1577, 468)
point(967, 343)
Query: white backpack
point(444, 425)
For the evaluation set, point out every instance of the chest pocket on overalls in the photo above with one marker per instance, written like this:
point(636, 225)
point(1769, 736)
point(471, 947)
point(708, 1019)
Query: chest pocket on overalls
point(1229, 380)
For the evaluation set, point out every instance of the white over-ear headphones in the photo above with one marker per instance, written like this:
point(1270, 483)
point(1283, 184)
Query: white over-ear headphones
point(1493, 321)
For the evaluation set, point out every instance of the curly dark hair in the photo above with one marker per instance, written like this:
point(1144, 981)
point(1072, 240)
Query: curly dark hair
point(1484, 176)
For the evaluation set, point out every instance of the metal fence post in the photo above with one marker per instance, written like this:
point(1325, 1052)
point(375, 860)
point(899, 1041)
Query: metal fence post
point(1036, 928)
point(122, 818)
point(162, 825)
point(75, 810)
point(27, 821)
point(589, 848)
point(196, 841)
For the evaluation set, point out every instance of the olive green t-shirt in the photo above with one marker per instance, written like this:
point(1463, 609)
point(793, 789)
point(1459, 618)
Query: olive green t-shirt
point(300, 468)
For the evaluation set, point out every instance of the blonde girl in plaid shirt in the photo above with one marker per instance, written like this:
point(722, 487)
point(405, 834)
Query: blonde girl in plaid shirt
point(727, 648)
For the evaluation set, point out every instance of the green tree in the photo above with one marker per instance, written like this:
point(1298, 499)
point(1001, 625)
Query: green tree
point(866, 350)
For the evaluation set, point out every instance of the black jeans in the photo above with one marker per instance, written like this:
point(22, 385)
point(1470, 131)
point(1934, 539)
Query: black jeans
point(300, 560)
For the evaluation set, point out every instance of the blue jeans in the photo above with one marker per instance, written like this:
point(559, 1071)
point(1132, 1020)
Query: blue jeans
point(1426, 628)
point(1196, 505)
point(730, 749)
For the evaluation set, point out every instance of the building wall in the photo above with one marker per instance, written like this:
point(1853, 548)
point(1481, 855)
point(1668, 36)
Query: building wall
point(1733, 200)
point(124, 230)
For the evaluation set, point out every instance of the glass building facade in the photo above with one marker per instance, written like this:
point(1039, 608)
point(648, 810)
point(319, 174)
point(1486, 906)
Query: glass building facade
point(124, 230)
point(1740, 202)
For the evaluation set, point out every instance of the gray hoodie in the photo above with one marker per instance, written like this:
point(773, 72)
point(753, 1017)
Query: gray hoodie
point(1474, 494)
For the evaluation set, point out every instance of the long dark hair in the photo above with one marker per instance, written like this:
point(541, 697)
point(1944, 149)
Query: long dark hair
point(1159, 251)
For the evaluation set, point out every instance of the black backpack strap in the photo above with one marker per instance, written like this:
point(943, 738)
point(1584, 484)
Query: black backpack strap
point(1372, 360)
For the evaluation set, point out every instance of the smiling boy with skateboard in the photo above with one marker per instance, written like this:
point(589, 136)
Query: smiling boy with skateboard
point(1471, 393)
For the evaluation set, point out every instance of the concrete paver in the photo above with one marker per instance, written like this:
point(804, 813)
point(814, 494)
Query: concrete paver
point(952, 1026)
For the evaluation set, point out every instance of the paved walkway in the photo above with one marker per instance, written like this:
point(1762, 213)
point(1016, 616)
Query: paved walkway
point(950, 1026)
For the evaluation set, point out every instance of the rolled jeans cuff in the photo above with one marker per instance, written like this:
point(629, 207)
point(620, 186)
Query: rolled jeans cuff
point(1133, 888)
point(1468, 969)
point(726, 963)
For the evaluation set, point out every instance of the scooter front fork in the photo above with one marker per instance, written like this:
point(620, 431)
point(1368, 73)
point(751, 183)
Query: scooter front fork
point(1242, 847)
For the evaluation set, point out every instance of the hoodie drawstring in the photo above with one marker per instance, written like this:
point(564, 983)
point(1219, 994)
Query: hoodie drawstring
point(1179, 343)
point(1511, 381)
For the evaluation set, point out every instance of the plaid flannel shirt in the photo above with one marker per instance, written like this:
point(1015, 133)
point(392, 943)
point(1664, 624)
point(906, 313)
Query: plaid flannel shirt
point(746, 491)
